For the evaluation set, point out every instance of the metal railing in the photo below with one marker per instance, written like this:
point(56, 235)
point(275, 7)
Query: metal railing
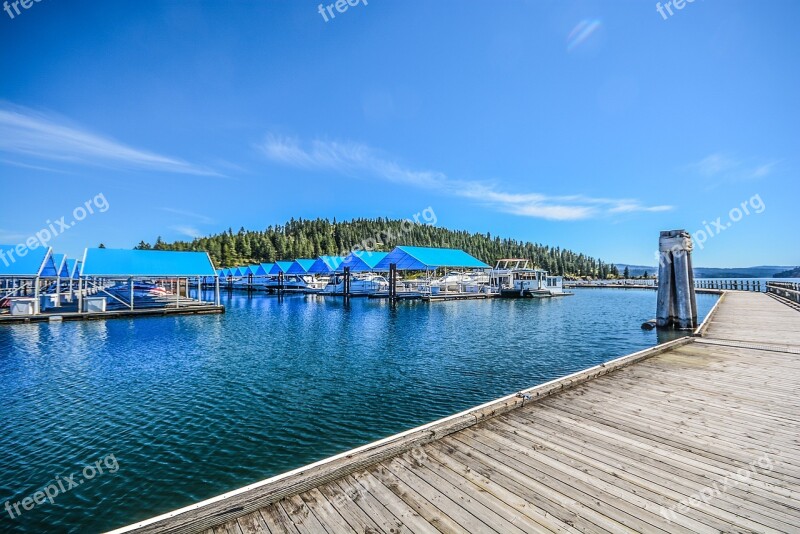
point(787, 290)
point(734, 285)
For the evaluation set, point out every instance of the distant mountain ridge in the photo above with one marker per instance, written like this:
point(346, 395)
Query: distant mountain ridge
point(761, 271)
point(791, 273)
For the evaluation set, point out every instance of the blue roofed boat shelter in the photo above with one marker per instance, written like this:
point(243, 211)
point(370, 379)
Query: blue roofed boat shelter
point(73, 268)
point(280, 267)
point(428, 259)
point(22, 268)
point(325, 265)
point(122, 264)
point(362, 261)
point(300, 266)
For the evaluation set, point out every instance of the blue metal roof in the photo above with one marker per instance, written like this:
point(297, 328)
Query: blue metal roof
point(60, 262)
point(301, 266)
point(71, 266)
point(259, 270)
point(119, 262)
point(325, 264)
point(280, 267)
point(361, 261)
point(29, 264)
point(267, 267)
point(424, 258)
point(238, 271)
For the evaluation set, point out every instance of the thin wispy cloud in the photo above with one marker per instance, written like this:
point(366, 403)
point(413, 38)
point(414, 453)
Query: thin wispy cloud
point(10, 236)
point(200, 218)
point(33, 167)
point(359, 159)
point(721, 168)
point(581, 32)
point(40, 136)
point(188, 231)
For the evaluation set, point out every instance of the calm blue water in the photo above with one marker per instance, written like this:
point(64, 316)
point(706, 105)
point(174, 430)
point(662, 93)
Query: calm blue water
point(191, 407)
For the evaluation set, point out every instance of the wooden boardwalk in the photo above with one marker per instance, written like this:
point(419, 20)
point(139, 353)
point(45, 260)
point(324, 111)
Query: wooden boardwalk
point(700, 435)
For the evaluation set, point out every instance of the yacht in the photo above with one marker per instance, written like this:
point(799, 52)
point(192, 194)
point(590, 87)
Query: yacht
point(360, 284)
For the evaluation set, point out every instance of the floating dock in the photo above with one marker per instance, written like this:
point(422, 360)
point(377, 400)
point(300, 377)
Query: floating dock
point(187, 308)
point(695, 435)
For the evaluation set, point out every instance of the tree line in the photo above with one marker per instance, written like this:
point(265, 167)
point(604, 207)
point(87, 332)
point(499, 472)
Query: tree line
point(301, 238)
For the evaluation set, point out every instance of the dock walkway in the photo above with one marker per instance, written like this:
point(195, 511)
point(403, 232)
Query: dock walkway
point(696, 435)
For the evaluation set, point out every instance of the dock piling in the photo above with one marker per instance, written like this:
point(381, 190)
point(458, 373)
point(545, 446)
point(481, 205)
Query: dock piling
point(677, 305)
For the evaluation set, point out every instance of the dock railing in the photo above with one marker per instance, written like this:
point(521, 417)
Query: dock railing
point(725, 284)
point(787, 290)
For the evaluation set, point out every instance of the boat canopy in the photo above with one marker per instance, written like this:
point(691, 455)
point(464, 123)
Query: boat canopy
point(60, 262)
point(280, 267)
point(112, 263)
point(325, 264)
point(425, 259)
point(238, 272)
point(300, 266)
point(73, 268)
point(32, 263)
point(255, 270)
point(362, 261)
point(267, 267)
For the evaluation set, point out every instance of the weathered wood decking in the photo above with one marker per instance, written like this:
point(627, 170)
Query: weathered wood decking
point(703, 436)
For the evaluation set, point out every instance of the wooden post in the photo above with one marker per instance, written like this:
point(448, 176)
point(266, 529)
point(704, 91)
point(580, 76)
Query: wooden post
point(346, 283)
point(677, 305)
point(216, 291)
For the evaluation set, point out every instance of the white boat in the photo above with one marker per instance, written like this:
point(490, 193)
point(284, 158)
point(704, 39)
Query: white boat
point(460, 282)
point(360, 284)
point(514, 278)
point(291, 282)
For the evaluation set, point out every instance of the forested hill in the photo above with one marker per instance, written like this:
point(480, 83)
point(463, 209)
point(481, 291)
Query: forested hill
point(312, 238)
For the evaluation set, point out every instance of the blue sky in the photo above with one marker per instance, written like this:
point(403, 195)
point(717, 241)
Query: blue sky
point(585, 125)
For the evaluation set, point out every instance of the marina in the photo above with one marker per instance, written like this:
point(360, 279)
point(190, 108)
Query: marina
point(111, 284)
point(626, 445)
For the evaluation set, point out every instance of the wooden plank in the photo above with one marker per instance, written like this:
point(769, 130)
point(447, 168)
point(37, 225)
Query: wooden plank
point(721, 517)
point(278, 520)
point(427, 510)
point(460, 493)
point(377, 495)
point(345, 504)
point(253, 523)
point(301, 516)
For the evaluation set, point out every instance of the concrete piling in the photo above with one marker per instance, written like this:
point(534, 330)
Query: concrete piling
point(677, 305)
